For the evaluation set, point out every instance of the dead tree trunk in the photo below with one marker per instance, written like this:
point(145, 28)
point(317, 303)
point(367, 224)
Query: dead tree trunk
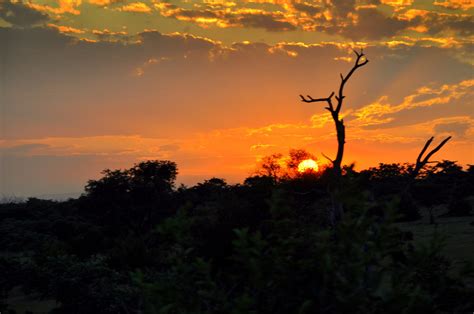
point(335, 188)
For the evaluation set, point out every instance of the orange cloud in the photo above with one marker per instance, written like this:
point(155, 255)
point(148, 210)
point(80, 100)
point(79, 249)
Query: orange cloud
point(64, 6)
point(455, 4)
point(103, 2)
point(66, 29)
point(209, 153)
point(398, 3)
point(137, 7)
point(379, 112)
point(140, 71)
point(226, 16)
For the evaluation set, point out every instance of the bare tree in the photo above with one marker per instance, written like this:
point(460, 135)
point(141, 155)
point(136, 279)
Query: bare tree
point(361, 60)
point(408, 206)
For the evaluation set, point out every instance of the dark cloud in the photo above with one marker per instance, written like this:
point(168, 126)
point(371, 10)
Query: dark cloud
point(437, 23)
point(22, 149)
point(18, 14)
point(343, 7)
point(307, 8)
point(192, 14)
point(85, 89)
point(156, 44)
point(456, 128)
point(372, 24)
point(269, 22)
point(356, 20)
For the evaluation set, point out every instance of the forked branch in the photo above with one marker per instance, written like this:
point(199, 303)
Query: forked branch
point(327, 99)
point(422, 161)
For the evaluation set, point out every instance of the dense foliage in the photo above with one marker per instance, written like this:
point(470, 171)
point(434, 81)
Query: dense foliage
point(135, 243)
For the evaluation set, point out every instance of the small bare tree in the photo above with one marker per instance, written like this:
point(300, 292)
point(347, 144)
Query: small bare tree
point(337, 209)
point(409, 206)
point(420, 161)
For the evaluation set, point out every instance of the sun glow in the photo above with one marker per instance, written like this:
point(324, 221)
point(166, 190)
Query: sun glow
point(308, 165)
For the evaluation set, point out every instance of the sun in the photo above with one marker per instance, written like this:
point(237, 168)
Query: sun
point(308, 165)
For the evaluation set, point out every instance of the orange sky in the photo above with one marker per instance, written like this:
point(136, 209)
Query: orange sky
point(214, 85)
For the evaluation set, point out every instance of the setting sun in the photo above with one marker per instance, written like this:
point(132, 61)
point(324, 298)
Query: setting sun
point(308, 165)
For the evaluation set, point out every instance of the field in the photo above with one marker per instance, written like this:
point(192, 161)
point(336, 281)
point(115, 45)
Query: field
point(457, 233)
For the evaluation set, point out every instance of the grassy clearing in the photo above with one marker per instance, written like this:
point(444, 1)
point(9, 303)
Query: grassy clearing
point(457, 232)
point(22, 303)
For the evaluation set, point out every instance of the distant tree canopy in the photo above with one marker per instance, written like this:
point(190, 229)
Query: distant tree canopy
point(279, 166)
point(149, 176)
point(137, 196)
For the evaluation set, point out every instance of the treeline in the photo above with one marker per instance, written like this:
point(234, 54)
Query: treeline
point(134, 242)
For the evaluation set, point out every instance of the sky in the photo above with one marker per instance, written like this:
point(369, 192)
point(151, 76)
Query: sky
point(214, 85)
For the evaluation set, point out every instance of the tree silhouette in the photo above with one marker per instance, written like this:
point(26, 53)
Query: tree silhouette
point(270, 166)
point(420, 161)
point(407, 204)
point(296, 156)
point(361, 60)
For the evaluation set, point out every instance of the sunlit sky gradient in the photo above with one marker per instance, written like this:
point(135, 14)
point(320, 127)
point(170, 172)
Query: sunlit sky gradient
point(213, 85)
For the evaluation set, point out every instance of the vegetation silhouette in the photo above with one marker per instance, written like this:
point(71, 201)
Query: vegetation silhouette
point(134, 242)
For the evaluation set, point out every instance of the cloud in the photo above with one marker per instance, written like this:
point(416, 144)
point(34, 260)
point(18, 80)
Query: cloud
point(222, 105)
point(63, 6)
point(369, 20)
point(343, 7)
point(105, 145)
point(307, 8)
point(102, 77)
point(136, 7)
point(271, 22)
point(456, 128)
point(19, 14)
point(455, 4)
point(23, 149)
point(438, 22)
point(382, 113)
point(261, 146)
point(108, 35)
point(66, 29)
point(398, 3)
point(370, 23)
point(104, 2)
point(225, 17)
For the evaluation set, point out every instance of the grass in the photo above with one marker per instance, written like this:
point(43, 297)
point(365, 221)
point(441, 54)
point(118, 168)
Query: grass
point(457, 232)
point(21, 303)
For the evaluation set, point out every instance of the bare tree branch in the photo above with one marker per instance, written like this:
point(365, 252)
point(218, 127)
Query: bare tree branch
point(358, 64)
point(427, 144)
point(420, 161)
point(436, 149)
point(325, 156)
point(360, 61)
point(311, 99)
